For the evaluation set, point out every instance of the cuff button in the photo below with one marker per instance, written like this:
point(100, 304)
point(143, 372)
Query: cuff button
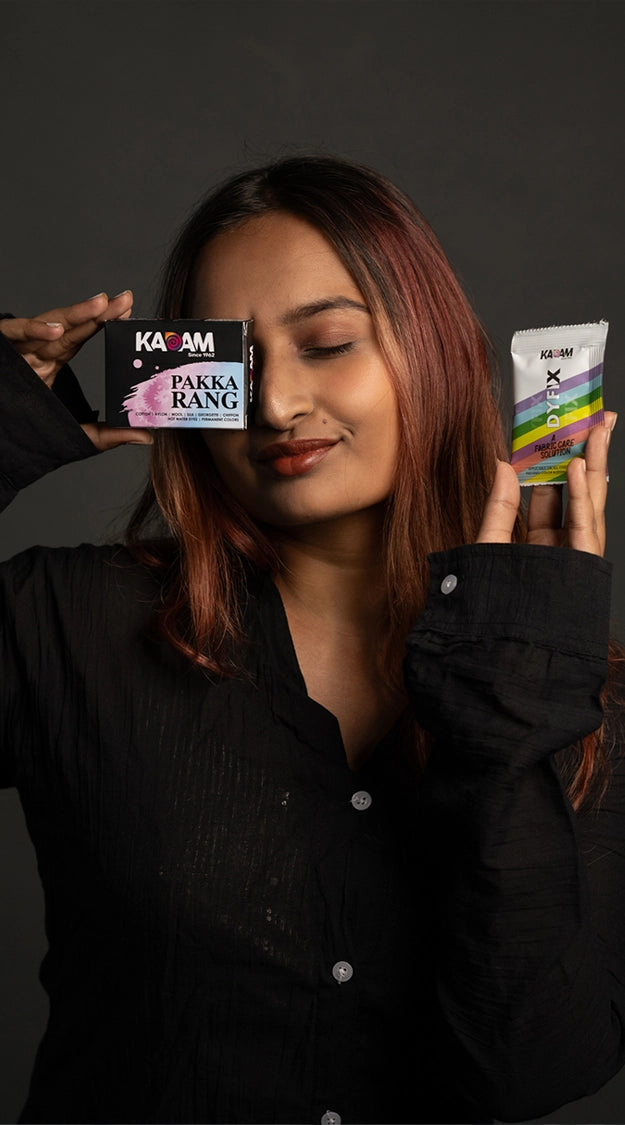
point(449, 584)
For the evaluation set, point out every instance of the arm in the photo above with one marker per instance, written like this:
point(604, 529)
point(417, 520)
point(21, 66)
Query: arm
point(530, 972)
point(504, 668)
point(45, 420)
point(37, 431)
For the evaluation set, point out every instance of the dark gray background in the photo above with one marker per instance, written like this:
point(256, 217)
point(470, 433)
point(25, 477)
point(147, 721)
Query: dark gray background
point(504, 121)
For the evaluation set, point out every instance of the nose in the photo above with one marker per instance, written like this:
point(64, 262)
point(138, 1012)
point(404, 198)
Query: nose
point(282, 392)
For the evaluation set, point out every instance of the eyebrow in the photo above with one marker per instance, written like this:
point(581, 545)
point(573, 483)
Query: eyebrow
point(304, 312)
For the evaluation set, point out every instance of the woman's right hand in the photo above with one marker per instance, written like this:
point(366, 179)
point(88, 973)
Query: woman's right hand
point(53, 338)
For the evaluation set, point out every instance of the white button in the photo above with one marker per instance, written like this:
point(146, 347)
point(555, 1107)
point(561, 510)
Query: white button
point(448, 584)
point(331, 1118)
point(361, 800)
point(342, 971)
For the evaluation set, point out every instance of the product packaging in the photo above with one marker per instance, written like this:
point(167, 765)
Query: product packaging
point(179, 373)
point(558, 397)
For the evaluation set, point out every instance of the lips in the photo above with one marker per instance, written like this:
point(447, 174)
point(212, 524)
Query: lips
point(294, 458)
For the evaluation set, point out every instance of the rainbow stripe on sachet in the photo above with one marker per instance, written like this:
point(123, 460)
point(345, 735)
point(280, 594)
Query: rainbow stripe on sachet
point(541, 453)
point(558, 379)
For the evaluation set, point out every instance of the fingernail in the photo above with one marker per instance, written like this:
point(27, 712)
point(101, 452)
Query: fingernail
point(101, 294)
point(54, 324)
point(122, 294)
point(608, 431)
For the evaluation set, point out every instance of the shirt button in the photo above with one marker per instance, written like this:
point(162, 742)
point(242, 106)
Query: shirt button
point(331, 1118)
point(361, 800)
point(342, 971)
point(449, 584)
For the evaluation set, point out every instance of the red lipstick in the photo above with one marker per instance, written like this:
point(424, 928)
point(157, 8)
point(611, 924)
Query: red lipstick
point(294, 458)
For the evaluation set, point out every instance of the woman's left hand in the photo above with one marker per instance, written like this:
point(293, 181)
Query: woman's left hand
point(583, 527)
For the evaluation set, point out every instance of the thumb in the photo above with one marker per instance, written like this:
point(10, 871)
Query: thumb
point(502, 507)
point(109, 437)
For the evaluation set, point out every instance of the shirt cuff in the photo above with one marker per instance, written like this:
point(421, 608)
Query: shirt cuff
point(37, 431)
point(551, 596)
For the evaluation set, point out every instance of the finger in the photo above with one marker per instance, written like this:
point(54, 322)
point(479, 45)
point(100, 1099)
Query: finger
point(73, 322)
point(20, 330)
point(109, 437)
point(502, 507)
point(86, 318)
point(585, 529)
point(544, 515)
point(119, 307)
point(596, 460)
point(596, 457)
point(98, 309)
point(71, 315)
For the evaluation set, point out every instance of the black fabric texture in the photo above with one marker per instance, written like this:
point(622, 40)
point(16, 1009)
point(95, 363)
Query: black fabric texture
point(39, 431)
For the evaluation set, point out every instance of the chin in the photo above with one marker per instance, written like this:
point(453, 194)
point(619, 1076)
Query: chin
point(311, 517)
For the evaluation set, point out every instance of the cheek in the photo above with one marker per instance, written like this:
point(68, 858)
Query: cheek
point(384, 428)
point(375, 405)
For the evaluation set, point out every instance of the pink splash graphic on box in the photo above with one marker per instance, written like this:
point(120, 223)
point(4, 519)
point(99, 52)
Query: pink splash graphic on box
point(189, 395)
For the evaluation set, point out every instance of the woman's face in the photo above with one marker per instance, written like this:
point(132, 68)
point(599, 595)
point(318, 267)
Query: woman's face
point(324, 437)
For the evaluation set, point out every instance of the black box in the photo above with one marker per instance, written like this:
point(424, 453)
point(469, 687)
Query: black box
point(195, 374)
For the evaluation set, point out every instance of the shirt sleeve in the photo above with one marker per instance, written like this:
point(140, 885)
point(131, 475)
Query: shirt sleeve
point(39, 427)
point(505, 667)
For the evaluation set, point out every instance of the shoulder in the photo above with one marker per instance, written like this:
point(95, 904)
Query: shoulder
point(67, 581)
point(59, 562)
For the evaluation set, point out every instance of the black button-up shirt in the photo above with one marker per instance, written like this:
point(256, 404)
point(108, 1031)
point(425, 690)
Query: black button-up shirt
point(241, 928)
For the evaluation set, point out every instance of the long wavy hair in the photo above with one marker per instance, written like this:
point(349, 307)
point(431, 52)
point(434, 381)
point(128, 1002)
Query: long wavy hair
point(440, 363)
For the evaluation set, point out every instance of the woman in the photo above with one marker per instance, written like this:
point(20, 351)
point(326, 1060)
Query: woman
point(280, 884)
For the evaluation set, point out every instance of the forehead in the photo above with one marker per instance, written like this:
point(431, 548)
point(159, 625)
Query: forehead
point(266, 265)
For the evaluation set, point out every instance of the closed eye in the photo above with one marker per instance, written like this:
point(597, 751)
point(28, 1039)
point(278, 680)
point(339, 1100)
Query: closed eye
point(313, 352)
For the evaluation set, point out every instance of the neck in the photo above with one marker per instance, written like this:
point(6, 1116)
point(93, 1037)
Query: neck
point(334, 571)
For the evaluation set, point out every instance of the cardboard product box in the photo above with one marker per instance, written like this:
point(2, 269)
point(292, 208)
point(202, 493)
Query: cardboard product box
point(194, 374)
